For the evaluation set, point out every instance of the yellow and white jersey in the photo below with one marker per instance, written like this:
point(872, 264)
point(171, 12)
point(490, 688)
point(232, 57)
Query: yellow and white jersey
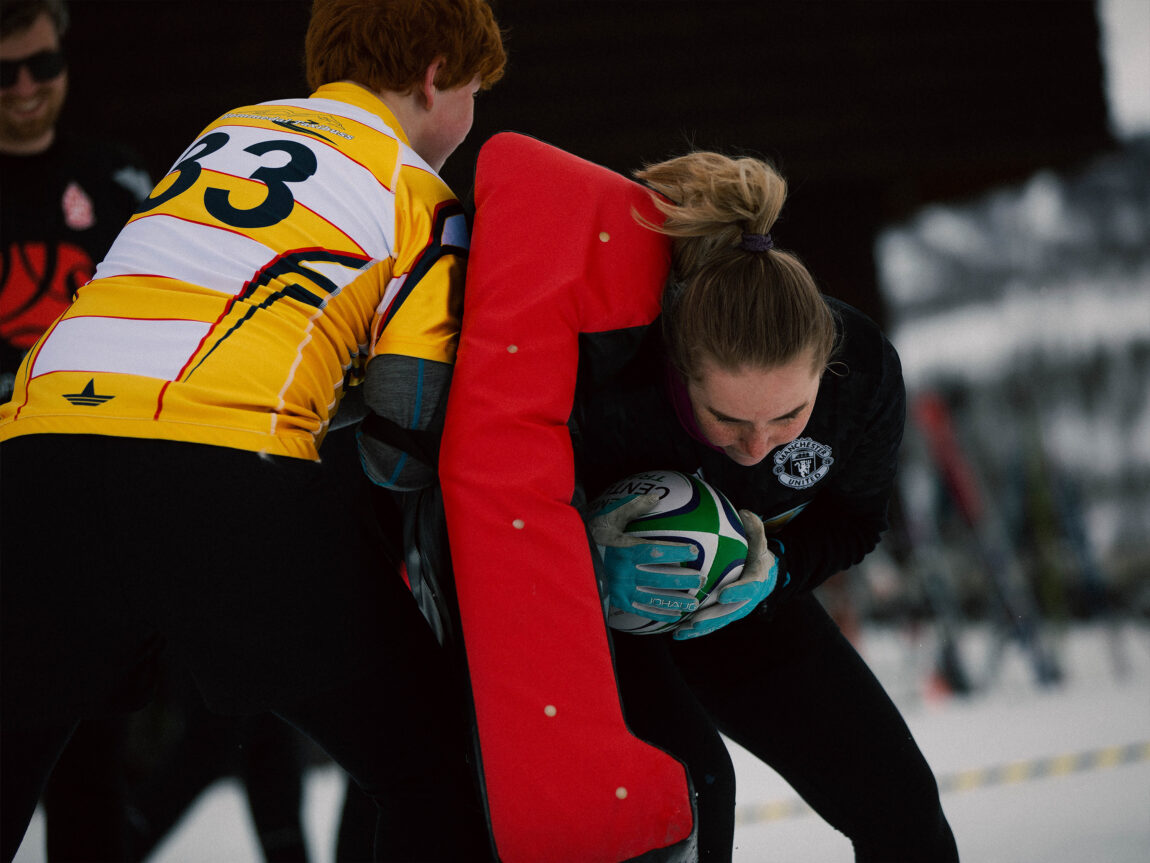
point(291, 242)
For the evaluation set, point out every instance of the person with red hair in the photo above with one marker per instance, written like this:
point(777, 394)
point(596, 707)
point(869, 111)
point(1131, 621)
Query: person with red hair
point(298, 251)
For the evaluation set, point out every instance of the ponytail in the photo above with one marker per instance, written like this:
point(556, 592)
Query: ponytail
point(733, 297)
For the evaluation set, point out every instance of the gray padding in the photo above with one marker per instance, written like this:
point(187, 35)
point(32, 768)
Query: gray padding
point(408, 391)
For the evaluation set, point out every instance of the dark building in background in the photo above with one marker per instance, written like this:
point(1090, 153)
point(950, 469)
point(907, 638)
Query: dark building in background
point(871, 108)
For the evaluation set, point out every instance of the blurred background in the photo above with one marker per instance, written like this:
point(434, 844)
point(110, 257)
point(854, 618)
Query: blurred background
point(973, 175)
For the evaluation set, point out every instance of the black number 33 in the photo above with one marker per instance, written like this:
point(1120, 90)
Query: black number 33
point(275, 207)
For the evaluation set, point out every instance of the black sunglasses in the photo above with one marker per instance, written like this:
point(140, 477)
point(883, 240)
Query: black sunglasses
point(43, 66)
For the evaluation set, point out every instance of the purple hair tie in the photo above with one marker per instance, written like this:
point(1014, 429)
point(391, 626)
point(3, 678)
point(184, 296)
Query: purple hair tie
point(757, 243)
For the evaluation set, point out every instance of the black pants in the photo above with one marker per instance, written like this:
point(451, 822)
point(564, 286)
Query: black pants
point(795, 693)
point(258, 576)
point(86, 803)
point(401, 758)
point(177, 748)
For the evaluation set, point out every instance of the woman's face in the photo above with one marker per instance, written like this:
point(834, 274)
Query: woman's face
point(749, 411)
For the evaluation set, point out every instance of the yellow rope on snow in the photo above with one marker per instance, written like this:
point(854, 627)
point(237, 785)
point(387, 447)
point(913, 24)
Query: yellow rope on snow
point(970, 780)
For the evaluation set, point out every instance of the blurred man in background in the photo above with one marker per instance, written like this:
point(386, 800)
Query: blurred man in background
point(63, 198)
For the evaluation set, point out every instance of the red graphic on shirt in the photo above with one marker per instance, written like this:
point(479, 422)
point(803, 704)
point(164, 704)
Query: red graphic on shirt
point(79, 213)
point(37, 283)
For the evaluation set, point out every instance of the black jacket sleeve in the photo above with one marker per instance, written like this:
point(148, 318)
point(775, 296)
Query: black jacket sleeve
point(844, 521)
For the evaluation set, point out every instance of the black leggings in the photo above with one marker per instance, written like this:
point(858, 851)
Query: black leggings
point(792, 691)
point(258, 575)
point(411, 762)
point(662, 710)
point(400, 740)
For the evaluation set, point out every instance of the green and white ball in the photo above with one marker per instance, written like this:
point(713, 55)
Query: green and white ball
point(689, 511)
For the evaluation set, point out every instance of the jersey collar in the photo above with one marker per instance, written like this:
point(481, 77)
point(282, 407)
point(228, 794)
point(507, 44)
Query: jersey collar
point(361, 97)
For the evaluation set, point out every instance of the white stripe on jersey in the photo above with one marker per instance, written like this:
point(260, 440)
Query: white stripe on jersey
point(389, 293)
point(223, 261)
point(152, 348)
point(198, 254)
point(366, 209)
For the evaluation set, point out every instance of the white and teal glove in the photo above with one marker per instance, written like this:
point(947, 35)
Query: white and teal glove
point(643, 577)
point(738, 599)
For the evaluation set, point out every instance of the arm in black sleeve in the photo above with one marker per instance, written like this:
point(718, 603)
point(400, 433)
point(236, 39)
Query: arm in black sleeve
point(832, 534)
point(845, 521)
point(399, 438)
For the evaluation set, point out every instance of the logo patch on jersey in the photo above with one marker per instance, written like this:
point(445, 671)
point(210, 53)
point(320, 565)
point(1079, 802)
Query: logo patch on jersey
point(88, 397)
point(802, 463)
point(298, 127)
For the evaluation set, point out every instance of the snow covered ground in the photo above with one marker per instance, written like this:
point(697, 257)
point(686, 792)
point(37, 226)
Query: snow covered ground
point(1058, 799)
point(1066, 816)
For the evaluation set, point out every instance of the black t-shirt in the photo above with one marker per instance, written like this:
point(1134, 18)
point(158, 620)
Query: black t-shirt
point(824, 495)
point(60, 210)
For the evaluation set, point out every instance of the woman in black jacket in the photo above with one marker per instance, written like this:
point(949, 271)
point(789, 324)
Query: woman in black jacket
point(793, 405)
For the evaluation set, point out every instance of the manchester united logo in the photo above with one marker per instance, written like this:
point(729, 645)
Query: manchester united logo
point(802, 463)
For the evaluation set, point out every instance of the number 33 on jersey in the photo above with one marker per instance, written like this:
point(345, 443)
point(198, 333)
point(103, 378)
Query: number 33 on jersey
point(290, 242)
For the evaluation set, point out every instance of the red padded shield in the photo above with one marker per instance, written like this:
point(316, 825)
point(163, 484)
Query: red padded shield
point(555, 252)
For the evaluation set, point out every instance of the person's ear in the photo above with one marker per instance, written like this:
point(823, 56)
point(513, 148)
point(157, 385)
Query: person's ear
point(427, 88)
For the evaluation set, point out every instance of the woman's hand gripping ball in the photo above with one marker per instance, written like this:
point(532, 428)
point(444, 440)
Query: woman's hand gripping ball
point(739, 598)
point(644, 576)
